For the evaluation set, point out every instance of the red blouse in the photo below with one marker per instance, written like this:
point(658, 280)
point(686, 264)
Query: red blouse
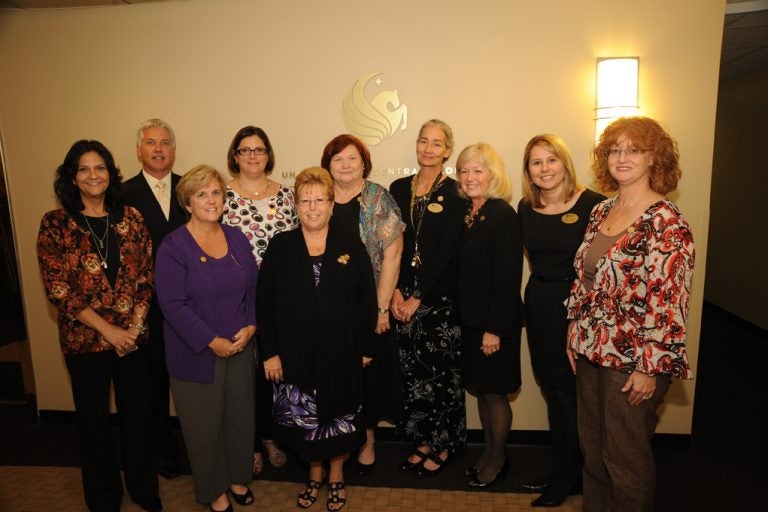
point(634, 318)
point(74, 278)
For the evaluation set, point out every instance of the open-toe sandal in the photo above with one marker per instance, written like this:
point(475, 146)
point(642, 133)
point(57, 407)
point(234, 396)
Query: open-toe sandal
point(276, 456)
point(334, 498)
point(407, 465)
point(242, 499)
point(313, 486)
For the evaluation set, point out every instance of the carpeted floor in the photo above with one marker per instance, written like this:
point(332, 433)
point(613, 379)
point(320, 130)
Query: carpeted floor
point(722, 469)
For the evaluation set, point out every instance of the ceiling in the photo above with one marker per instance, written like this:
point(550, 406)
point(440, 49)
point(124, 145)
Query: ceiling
point(745, 34)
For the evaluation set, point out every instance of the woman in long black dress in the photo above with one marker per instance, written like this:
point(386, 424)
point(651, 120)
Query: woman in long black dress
point(553, 213)
point(368, 211)
point(316, 311)
point(488, 297)
point(429, 338)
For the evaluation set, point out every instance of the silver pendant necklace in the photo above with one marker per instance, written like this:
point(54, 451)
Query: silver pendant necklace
point(100, 243)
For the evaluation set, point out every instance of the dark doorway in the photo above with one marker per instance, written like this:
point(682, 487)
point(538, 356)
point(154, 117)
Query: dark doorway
point(15, 358)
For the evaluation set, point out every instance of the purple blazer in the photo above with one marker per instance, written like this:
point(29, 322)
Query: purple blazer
point(202, 298)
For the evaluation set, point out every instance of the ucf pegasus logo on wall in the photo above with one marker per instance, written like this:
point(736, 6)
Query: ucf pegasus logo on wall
point(375, 120)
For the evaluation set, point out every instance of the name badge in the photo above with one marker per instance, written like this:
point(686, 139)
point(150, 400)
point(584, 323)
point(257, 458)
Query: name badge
point(569, 218)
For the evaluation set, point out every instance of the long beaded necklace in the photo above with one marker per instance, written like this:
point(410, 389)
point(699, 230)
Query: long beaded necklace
point(100, 242)
point(416, 260)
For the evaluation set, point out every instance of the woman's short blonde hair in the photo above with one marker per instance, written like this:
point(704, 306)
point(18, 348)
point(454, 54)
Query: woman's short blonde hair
point(314, 176)
point(556, 146)
point(195, 179)
point(500, 186)
point(643, 133)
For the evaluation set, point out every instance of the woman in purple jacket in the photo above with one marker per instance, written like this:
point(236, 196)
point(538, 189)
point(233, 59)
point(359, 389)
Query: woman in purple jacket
point(206, 286)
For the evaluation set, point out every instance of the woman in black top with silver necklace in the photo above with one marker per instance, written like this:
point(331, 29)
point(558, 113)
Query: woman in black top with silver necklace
point(428, 335)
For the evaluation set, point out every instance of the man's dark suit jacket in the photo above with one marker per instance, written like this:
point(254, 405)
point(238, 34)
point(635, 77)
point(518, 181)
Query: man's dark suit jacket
point(138, 193)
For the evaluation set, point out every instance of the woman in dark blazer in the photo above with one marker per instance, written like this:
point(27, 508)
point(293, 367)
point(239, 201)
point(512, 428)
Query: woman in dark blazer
point(488, 296)
point(316, 308)
point(206, 286)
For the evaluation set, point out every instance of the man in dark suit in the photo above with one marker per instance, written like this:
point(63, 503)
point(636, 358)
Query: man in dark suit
point(152, 192)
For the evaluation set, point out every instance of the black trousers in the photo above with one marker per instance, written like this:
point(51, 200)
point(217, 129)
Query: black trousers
point(166, 444)
point(91, 375)
point(566, 455)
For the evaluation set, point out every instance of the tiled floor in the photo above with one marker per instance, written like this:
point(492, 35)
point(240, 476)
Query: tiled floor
point(54, 489)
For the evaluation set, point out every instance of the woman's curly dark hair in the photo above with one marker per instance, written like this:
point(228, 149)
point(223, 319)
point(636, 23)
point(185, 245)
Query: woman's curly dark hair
point(65, 186)
point(643, 133)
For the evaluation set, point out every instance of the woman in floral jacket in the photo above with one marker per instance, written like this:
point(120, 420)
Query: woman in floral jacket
point(628, 309)
point(95, 257)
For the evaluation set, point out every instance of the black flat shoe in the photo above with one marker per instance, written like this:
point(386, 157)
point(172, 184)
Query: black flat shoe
point(168, 469)
point(534, 486)
point(548, 500)
point(153, 505)
point(478, 484)
point(242, 499)
point(407, 465)
point(422, 471)
point(365, 469)
point(471, 471)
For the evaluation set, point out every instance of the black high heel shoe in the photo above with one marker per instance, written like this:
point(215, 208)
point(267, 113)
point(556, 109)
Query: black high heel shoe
point(478, 484)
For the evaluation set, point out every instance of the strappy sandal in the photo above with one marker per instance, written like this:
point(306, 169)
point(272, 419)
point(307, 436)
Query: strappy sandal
point(407, 465)
point(276, 456)
point(306, 495)
point(333, 496)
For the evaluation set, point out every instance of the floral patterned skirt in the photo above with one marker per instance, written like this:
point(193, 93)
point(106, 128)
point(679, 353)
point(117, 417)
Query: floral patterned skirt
point(433, 390)
point(296, 424)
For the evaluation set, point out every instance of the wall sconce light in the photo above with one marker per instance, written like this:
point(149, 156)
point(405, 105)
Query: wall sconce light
point(616, 90)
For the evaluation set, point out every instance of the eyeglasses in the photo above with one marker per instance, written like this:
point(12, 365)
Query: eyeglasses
point(629, 152)
point(320, 201)
point(252, 151)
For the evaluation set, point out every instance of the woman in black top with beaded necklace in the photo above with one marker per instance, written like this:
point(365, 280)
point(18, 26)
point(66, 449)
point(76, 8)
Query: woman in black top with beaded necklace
point(427, 329)
point(553, 213)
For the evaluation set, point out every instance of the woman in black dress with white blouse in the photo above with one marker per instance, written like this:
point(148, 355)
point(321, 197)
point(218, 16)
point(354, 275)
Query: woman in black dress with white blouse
point(553, 213)
point(429, 338)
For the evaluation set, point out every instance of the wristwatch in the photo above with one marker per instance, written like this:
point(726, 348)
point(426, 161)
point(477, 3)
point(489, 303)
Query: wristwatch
point(383, 310)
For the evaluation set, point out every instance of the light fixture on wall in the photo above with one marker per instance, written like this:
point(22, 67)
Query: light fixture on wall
point(616, 90)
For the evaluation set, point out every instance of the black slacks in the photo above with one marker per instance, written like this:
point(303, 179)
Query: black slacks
point(91, 375)
point(566, 463)
point(165, 440)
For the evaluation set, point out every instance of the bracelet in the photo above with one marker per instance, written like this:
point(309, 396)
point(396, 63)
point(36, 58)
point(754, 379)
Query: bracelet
point(139, 327)
point(383, 310)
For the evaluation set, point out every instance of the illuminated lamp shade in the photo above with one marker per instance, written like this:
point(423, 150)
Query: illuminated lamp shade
point(616, 90)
